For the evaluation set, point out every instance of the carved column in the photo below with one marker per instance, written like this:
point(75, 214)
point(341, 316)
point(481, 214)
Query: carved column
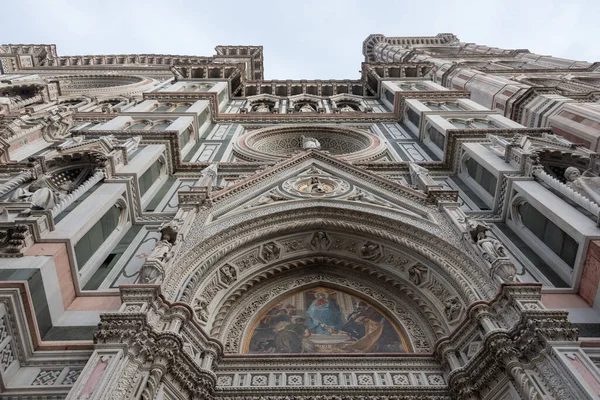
point(147, 343)
point(515, 336)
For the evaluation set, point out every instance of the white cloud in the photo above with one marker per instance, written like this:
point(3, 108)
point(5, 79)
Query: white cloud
point(302, 40)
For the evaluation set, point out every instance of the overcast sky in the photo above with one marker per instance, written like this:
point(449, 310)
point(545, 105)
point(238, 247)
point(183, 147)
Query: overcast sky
point(302, 39)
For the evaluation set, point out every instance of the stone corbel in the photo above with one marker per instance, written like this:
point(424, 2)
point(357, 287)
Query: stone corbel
point(152, 272)
point(420, 178)
point(529, 163)
point(14, 240)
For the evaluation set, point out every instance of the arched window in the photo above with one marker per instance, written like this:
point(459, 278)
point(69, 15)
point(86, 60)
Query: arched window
point(459, 124)
point(549, 233)
point(482, 176)
point(413, 117)
point(444, 106)
point(411, 86)
point(184, 138)
point(434, 107)
point(150, 176)
point(162, 109)
point(172, 108)
point(93, 239)
point(181, 108)
point(436, 137)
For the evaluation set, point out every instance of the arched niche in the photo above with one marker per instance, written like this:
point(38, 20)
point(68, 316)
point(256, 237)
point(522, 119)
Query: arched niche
point(417, 326)
point(420, 239)
point(324, 319)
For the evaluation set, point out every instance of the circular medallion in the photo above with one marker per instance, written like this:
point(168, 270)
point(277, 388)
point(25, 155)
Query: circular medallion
point(316, 186)
point(275, 143)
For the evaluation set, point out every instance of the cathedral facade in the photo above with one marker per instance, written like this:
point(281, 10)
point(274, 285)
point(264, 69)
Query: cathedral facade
point(178, 227)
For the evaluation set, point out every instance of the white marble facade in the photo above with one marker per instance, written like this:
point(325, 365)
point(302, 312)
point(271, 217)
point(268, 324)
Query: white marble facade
point(193, 231)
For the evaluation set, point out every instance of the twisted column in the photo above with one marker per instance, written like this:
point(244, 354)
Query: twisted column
point(77, 193)
point(15, 182)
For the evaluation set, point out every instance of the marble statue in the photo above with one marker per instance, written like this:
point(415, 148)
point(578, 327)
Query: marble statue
point(320, 241)
point(452, 308)
point(201, 309)
point(262, 108)
point(307, 108)
point(310, 143)
point(270, 251)
point(370, 251)
point(162, 250)
point(587, 184)
point(228, 274)
point(417, 274)
point(490, 248)
point(347, 108)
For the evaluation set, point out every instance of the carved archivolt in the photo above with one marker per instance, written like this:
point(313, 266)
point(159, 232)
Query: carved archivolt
point(239, 319)
point(468, 280)
point(348, 255)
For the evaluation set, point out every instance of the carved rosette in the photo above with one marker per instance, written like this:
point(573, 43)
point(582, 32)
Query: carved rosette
point(316, 186)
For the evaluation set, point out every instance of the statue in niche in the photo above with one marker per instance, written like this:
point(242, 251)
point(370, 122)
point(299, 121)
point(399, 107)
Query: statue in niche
point(320, 241)
point(228, 274)
point(587, 184)
point(163, 249)
point(306, 108)
point(201, 309)
point(370, 251)
point(270, 251)
point(452, 308)
point(417, 274)
point(490, 248)
point(347, 108)
point(261, 108)
point(310, 143)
